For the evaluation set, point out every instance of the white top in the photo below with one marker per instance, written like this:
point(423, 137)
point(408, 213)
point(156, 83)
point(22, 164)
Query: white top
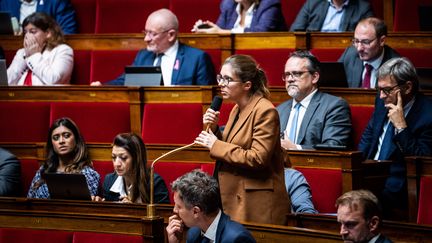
point(169, 63)
point(118, 187)
point(49, 68)
point(237, 28)
point(27, 9)
point(212, 229)
point(304, 105)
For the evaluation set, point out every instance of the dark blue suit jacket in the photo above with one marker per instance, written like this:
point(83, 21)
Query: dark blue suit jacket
point(313, 13)
point(160, 189)
point(196, 67)
point(267, 16)
point(228, 231)
point(415, 140)
point(61, 10)
point(354, 66)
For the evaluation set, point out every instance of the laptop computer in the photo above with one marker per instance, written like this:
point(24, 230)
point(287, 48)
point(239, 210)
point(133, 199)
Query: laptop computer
point(3, 73)
point(143, 76)
point(6, 24)
point(333, 75)
point(67, 186)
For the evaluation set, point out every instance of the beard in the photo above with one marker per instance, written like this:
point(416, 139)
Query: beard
point(293, 91)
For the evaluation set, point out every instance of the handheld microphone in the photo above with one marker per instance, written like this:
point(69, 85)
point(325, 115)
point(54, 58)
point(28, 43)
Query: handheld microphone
point(215, 105)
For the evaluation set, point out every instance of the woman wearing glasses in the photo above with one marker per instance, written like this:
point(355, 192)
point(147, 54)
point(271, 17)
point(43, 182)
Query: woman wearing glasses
point(249, 157)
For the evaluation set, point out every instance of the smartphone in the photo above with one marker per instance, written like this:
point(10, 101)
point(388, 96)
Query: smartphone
point(204, 26)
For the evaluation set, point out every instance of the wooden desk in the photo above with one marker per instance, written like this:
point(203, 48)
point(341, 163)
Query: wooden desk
point(150, 229)
point(396, 231)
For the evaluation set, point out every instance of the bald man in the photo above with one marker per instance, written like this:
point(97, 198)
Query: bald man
point(180, 64)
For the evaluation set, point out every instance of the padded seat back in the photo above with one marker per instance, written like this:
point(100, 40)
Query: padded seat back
point(425, 198)
point(103, 168)
point(86, 15)
point(24, 121)
point(34, 236)
point(420, 57)
point(327, 54)
point(28, 171)
point(290, 9)
point(170, 171)
point(272, 61)
point(360, 116)
point(91, 237)
point(171, 123)
point(81, 69)
point(108, 65)
point(97, 121)
point(126, 16)
point(326, 187)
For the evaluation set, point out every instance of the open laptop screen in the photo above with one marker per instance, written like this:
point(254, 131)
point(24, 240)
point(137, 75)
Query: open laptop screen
point(143, 76)
point(333, 75)
point(67, 186)
point(3, 73)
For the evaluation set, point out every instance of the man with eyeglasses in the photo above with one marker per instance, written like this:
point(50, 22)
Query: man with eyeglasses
point(311, 117)
point(401, 126)
point(180, 64)
point(367, 53)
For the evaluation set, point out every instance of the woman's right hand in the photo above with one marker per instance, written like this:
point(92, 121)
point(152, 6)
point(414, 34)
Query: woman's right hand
point(211, 119)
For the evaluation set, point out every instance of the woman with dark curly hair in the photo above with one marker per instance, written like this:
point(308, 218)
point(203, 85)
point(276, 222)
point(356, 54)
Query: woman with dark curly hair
point(66, 153)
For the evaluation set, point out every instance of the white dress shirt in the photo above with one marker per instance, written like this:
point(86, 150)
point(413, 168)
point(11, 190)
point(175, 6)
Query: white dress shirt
point(168, 63)
point(237, 28)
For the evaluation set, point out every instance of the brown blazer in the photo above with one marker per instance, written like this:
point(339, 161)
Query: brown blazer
point(251, 165)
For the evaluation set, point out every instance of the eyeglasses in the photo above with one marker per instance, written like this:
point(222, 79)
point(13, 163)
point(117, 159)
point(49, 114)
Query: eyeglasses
point(153, 34)
point(293, 74)
point(225, 80)
point(387, 90)
point(366, 42)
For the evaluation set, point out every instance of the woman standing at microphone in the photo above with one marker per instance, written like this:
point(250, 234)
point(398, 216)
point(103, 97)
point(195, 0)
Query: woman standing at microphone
point(130, 182)
point(249, 157)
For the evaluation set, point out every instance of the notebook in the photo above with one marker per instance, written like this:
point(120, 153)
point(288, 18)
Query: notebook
point(3, 73)
point(6, 24)
point(143, 76)
point(67, 186)
point(333, 75)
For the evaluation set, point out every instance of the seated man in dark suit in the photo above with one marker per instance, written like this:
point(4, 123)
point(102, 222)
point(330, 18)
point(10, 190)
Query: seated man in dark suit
point(359, 214)
point(400, 126)
point(311, 117)
point(10, 174)
point(180, 64)
point(367, 53)
point(197, 200)
point(331, 16)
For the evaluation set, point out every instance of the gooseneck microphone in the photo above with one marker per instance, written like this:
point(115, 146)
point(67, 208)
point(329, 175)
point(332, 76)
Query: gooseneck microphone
point(151, 207)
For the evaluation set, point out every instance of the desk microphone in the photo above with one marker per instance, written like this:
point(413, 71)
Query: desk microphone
point(151, 207)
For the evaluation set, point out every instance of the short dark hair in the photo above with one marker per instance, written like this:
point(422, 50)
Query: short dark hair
point(314, 63)
point(197, 188)
point(401, 70)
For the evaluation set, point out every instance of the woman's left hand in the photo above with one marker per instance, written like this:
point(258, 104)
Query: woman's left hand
point(125, 199)
point(206, 139)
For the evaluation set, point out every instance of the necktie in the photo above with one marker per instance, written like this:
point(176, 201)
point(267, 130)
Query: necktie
point(205, 240)
point(28, 78)
point(293, 130)
point(367, 76)
point(158, 59)
point(387, 143)
point(157, 63)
